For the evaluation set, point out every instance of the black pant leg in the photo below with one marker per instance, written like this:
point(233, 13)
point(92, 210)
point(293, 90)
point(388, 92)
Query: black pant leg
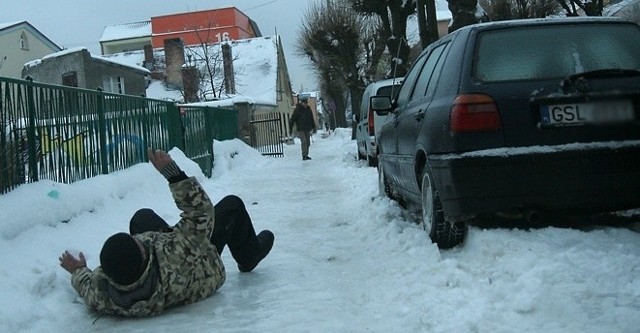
point(233, 227)
point(144, 220)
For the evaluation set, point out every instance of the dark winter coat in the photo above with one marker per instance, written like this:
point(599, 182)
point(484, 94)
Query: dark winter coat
point(183, 264)
point(302, 118)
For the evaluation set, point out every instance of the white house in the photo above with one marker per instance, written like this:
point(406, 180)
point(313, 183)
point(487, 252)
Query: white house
point(20, 43)
point(125, 37)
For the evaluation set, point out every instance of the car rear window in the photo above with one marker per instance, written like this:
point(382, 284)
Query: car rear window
point(547, 52)
point(387, 90)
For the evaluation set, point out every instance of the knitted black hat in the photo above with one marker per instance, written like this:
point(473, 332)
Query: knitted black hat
point(121, 259)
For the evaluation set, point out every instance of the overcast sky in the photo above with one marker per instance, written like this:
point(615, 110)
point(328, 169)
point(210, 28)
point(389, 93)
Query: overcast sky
point(73, 23)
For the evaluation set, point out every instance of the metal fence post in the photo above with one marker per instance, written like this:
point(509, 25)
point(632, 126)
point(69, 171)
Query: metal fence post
point(176, 128)
point(31, 131)
point(102, 135)
point(209, 130)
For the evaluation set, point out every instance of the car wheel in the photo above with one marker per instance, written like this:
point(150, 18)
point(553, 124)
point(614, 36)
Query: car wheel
point(442, 232)
point(372, 161)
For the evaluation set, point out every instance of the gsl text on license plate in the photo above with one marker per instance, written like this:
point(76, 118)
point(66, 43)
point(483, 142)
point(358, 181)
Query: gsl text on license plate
point(595, 113)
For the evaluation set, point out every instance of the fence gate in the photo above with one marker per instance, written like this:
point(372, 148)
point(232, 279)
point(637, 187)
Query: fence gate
point(266, 133)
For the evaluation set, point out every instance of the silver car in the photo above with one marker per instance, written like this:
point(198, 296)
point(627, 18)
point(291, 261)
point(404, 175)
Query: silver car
point(369, 122)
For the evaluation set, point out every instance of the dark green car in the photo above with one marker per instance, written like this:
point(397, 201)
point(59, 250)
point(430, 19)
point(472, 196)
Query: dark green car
point(517, 118)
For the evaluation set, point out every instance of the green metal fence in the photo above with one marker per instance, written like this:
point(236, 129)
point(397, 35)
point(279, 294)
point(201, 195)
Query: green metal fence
point(200, 126)
point(66, 134)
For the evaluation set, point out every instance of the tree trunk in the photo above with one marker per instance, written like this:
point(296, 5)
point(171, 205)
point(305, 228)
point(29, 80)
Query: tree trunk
point(340, 113)
point(423, 30)
point(356, 101)
point(463, 13)
point(397, 44)
point(432, 21)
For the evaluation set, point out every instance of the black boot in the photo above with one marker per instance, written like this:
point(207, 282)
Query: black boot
point(265, 243)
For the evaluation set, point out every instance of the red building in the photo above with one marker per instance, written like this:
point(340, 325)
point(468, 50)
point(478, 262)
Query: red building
point(208, 26)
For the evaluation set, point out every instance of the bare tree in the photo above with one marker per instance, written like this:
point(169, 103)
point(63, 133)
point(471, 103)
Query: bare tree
point(374, 59)
point(499, 10)
point(427, 22)
point(465, 12)
point(331, 37)
point(589, 7)
point(207, 57)
point(393, 15)
point(208, 60)
point(333, 96)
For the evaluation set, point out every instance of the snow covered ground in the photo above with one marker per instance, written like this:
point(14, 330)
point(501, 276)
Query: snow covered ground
point(344, 259)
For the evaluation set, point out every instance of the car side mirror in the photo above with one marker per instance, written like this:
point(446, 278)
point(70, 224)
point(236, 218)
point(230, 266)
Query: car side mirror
point(381, 105)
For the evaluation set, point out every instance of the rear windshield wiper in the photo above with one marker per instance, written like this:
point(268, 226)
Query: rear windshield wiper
point(572, 79)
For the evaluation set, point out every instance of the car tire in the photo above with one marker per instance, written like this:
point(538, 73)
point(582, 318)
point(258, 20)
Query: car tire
point(444, 233)
point(372, 161)
point(361, 156)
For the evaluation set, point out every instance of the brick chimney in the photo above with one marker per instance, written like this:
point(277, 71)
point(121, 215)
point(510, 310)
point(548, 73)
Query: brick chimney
point(190, 83)
point(227, 64)
point(174, 59)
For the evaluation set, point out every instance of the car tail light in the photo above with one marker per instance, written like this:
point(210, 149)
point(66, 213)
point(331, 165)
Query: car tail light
point(474, 113)
point(372, 129)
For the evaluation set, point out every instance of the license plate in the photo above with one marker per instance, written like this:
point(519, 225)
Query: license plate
point(596, 113)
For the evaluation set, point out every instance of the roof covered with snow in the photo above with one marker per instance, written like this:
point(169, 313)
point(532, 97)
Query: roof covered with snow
point(95, 57)
point(9, 24)
point(126, 31)
point(255, 64)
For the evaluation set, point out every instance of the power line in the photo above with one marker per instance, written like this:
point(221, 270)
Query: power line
point(261, 5)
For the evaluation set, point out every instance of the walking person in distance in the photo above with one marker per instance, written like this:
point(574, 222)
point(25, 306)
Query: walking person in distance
point(302, 119)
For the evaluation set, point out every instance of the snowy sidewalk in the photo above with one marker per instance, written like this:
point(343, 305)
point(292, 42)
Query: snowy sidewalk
point(344, 259)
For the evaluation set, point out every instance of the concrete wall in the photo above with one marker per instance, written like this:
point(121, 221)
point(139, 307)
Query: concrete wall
point(89, 72)
point(51, 70)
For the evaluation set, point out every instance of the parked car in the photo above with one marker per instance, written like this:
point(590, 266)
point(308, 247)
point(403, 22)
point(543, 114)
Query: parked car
point(516, 118)
point(369, 122)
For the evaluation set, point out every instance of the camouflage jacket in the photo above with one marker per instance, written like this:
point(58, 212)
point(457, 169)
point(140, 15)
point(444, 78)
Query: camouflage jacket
point(183, 266)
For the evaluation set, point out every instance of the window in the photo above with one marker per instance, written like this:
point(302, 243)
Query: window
point(426, 77)
point(70, 79)
point(113, 84)
point(24, 41)
point(555, 52)
point(409, 80)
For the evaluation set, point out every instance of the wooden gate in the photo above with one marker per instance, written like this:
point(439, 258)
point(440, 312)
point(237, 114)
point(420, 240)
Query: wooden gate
point(266, 132)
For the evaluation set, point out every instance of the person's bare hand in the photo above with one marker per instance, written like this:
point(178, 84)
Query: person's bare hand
point(158, 158)
point(71, 263)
